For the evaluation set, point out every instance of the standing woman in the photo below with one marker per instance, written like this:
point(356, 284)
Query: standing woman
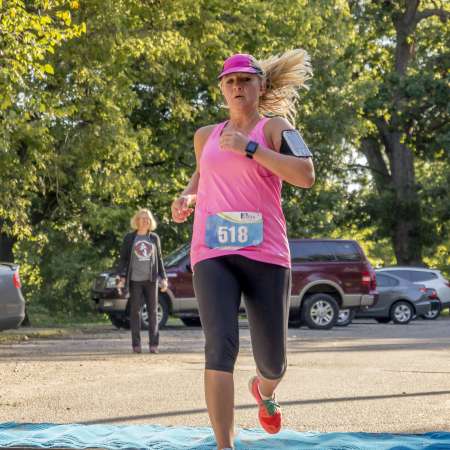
point(140, 267)
point(239, 244)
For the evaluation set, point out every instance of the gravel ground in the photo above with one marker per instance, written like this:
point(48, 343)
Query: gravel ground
point(366, 377)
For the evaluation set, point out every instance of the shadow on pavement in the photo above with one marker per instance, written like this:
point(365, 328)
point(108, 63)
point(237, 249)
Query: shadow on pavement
point(252, 406)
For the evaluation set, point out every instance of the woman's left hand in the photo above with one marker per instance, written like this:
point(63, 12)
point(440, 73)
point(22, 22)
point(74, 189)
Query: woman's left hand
point(234, 141)
point(163, 285)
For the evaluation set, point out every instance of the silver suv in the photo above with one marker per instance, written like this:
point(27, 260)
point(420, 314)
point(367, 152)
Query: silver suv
point(430, 278)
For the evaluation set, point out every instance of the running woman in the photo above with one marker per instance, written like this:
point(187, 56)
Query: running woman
point(239, 244)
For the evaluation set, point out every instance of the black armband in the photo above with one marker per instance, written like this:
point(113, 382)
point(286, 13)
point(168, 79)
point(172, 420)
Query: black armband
point(293, 144)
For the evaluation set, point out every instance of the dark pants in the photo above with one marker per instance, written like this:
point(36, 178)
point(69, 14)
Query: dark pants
point(219, 283)
point(144, 292)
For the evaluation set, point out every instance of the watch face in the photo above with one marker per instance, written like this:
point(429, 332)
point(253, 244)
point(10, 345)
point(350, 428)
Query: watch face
point(251, 147)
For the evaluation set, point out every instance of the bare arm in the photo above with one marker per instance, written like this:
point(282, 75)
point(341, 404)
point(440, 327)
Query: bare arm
point(296, 171)
point(181, 206)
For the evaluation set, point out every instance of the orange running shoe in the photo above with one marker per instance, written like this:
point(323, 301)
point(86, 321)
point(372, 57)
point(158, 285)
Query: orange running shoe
point(269, 414)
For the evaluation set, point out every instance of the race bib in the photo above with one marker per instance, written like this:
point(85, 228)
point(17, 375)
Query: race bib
point(234, 230)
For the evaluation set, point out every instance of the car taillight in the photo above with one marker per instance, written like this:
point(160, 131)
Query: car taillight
point(16, 279)
point(369, 280)
point(447, 283)
point(432, 294)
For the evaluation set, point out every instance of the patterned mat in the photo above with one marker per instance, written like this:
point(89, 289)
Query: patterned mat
point(154, 437)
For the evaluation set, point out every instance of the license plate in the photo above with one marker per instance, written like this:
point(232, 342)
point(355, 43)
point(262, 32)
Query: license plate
point(107, 303)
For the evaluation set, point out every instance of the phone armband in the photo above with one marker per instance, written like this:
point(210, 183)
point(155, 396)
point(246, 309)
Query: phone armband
point(293, 144)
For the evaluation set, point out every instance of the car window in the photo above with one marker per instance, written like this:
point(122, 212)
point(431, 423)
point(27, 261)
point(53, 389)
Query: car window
point(311, 252)
point(385, 280)
point(418, 275)
point(172, 259)
point(404, 274)
point(345, 251)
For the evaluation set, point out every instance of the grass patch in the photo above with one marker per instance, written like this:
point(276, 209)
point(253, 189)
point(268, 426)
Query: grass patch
point(21, 335)
point(174, 322)
point(40, 317)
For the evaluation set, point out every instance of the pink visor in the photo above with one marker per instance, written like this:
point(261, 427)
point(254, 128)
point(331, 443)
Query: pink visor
point(241, 62)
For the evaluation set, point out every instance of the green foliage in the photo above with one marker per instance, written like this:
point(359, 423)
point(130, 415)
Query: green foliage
point(400, 66)
point(100, 101)
point(30, 32)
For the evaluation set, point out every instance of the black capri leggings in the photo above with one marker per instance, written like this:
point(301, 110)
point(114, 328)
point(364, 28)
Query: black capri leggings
point(219, 283)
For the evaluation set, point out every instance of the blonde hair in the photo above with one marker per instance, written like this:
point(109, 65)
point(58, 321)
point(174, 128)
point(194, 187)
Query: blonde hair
point(141, 211)
point(284, 75)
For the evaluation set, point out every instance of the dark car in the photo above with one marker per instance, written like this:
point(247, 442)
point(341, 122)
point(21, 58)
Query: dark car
point(346, 316)
point(326, 275)
point(12, 303)
point(399, 301)
point(430, 278)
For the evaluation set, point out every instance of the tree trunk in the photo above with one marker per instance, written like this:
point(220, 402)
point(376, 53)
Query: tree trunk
point(406, 234)
point(399, 177)
point(6, 245)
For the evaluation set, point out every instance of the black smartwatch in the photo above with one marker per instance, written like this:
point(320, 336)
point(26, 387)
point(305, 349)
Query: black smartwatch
point(251, 149)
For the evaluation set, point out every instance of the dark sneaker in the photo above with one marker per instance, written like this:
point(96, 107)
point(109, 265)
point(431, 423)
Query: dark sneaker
point(137, 349)
point(269, 410)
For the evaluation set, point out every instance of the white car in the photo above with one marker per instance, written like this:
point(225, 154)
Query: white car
point(430, 278)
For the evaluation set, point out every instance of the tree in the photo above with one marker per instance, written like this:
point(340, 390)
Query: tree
point(109, 127)
point(30, 31)
point(400, 58)
point(125, 99)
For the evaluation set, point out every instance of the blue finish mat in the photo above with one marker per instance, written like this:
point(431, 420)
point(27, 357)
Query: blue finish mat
point(155, 437)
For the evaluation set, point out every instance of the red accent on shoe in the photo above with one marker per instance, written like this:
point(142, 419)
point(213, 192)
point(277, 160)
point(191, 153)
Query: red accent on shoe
point(137, 349)
point(269, 420)
point(154, 349)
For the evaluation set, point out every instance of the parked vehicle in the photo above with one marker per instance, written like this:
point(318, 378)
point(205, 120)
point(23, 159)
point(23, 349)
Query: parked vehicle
point(398, 300)
point(12, 303)
point(326, 275)
point(430, 278)
point(435, 311)
point(346, 316)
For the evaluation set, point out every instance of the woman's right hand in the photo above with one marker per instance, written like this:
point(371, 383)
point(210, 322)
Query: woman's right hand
point(181, 209)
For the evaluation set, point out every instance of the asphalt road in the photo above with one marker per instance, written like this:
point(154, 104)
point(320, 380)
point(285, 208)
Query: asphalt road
point(367, 377)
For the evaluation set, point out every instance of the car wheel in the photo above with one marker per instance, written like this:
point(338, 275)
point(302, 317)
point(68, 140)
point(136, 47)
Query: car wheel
point(162, 313)
point(345, 317)
point(119, 321)
point(294, 323)
point(383, 319)
point(402, 312)
point(431, 315)
point(295, 320)
point(320, 311)
point(191, 321)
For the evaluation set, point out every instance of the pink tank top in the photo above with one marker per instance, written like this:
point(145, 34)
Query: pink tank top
point(232, 182)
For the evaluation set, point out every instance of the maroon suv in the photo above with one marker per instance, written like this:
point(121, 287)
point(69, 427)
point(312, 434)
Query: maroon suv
point(327, 275)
